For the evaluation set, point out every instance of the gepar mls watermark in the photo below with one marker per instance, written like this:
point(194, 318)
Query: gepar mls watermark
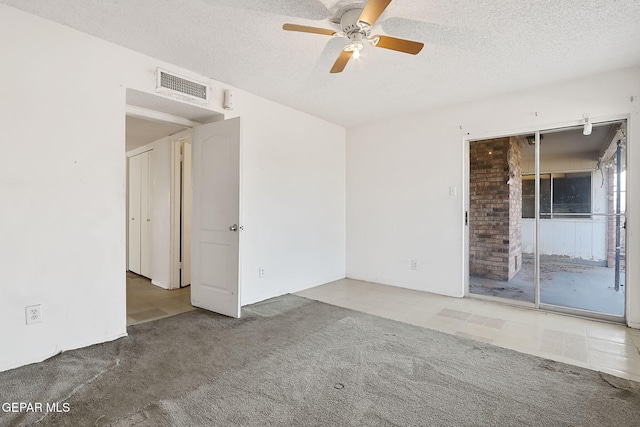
point(24, 407)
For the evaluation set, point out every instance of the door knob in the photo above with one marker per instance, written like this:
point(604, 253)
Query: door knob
point(234, 227)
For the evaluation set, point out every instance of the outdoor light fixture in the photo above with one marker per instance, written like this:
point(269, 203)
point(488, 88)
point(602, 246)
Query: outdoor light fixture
point(588, 127)
point(531, 139)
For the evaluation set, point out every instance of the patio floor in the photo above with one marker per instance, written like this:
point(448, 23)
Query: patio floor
point(564, 284)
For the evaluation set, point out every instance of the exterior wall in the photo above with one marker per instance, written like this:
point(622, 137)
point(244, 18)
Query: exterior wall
point(583, 240)
point(514, 159)
point(578, 238)
point(495, 209)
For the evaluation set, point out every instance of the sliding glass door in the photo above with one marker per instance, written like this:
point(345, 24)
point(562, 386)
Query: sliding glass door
point(546, 217)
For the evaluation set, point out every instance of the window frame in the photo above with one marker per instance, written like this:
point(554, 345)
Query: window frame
point(560, 215)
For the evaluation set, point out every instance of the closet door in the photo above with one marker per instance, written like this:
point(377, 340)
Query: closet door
point(140, 214)
point(145, 214)
point(134, 213)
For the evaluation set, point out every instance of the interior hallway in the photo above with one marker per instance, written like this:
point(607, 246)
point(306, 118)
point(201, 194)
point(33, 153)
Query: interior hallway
point(600, 346)
point(146, 302)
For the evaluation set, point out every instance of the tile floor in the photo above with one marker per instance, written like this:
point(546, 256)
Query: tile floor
point(601, 346)
point(565, 284)
point(146, 302)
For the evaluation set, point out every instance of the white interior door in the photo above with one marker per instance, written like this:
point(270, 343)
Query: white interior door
point(187, 204)
point(134, 214)
point(145, 214)
point(215, 282)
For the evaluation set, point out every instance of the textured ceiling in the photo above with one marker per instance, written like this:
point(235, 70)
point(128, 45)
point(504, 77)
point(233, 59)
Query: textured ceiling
point(140, 132)
point(573, 143)
point(473, 48)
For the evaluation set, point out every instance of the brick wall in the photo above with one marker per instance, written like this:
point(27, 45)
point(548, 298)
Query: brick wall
point(514, 160)
point(495, 209)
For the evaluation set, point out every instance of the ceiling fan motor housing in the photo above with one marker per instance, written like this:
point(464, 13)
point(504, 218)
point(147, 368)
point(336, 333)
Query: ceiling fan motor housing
point(352, 27)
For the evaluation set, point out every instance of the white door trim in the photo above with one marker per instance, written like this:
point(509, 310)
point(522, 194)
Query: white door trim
point(157, 116)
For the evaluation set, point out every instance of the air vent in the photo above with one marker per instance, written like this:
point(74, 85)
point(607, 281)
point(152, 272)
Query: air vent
point(181, 88)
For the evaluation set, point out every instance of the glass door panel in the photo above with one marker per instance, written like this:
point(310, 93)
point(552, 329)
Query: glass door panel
point(579, 221)
point(501, 236)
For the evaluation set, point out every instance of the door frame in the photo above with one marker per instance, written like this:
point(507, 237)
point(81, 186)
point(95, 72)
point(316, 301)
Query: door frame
point(537, 130)
point(167, 118)
point(176, 197)
point(175, 189)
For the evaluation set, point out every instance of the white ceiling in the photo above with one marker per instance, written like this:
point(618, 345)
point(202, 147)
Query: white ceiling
point(572, 142)
point(473, 48)
point(141, 132)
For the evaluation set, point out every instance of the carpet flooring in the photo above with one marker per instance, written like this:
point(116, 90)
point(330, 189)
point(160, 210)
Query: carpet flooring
point(290, 361)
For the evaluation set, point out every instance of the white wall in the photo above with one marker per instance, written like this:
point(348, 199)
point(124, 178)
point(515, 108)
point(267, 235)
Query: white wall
point(399, 172)
point(62, 177)
point(293, 199)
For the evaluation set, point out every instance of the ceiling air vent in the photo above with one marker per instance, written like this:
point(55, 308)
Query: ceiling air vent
point(181, 88)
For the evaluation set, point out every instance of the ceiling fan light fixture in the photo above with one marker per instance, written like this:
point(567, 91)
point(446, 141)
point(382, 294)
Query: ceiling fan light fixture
point(355, 46)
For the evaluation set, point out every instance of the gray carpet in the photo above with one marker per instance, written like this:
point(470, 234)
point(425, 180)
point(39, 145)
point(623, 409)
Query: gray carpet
point(295, 362)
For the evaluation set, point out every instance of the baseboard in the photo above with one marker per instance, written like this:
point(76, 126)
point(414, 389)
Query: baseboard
point(404, 286)
point(294, 289)
point(158, 284)
point(44, 356)
point(633, 325)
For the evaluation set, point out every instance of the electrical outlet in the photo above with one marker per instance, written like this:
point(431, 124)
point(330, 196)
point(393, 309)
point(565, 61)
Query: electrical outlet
point(261, 272)
point(414, 264)
point(33, 314)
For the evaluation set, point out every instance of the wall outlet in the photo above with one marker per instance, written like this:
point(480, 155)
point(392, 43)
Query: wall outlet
point(260, 272)
point(33, 314)
point(453, 191)
point(414, 264)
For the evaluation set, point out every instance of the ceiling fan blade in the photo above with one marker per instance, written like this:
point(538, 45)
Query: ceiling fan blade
point(341, 62)
point(373, 10)
point(305, 29)
point(400, 45)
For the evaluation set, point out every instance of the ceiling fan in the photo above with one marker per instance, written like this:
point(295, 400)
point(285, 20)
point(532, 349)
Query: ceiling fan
point(355, 25)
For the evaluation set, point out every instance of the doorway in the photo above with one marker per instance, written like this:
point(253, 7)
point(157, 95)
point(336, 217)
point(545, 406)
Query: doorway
point(546, 215)
point(148, 150)
point(194, 209)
